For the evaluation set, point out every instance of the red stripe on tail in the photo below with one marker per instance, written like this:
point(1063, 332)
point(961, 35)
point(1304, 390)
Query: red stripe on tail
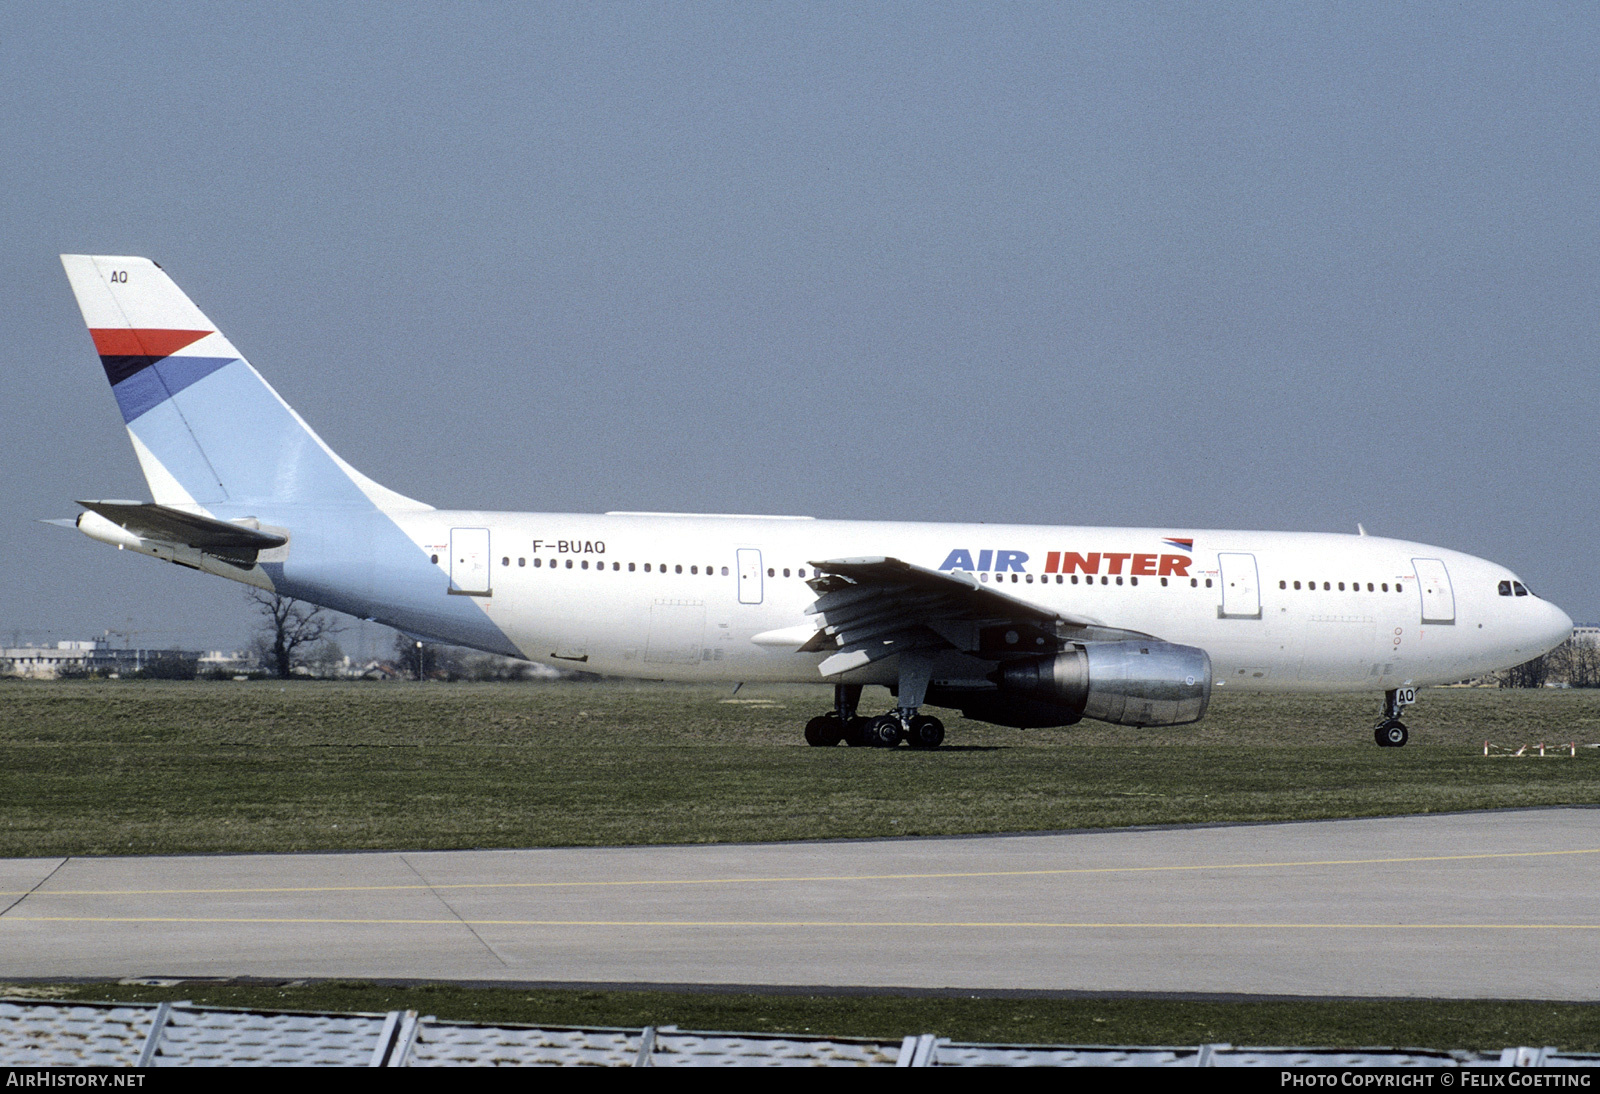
point(126, 342)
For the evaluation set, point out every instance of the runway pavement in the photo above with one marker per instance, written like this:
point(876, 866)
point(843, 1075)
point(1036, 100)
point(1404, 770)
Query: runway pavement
point(1503, 904)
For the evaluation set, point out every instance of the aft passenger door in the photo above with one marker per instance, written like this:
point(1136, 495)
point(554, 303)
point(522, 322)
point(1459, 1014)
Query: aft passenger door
point(1241, 588)
point(1438, 598)
point(469, 562)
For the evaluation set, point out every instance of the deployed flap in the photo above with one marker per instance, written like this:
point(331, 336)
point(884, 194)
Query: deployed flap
point(217, 537)
point(871, 608)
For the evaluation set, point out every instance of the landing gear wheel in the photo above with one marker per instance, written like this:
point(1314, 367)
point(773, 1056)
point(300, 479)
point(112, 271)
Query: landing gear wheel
point(1391, 735)
point(823, 731)
point(884, 731)
point(855, 734)
point(925, 732)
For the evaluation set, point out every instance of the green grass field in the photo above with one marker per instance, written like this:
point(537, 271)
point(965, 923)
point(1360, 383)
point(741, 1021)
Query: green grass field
point(138, 768)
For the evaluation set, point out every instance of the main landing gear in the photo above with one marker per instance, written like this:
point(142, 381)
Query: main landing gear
point(885, 731)
point(1391, 732)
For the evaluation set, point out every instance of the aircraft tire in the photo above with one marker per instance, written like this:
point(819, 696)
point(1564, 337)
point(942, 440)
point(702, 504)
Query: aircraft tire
point(926, 732)
point(823, 731)
point(855, 734)
point(1391, 735)
point(884, 731)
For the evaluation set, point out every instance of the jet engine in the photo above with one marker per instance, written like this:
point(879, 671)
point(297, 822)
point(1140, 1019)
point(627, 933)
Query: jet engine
point(1138, 683)
point(1133, 683)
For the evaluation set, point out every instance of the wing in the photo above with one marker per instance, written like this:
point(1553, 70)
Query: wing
point(235, 542)
point(872, 608)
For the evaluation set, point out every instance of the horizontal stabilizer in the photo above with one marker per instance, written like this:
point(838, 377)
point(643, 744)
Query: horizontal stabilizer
point(161, 522)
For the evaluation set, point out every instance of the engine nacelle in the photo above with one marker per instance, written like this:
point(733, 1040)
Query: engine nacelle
point(1136, 683)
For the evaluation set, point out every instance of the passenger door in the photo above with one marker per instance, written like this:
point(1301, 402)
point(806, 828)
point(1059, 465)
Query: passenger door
point(1433, 585)
point(749, 575)
point(469, 562)
point(1241, 587)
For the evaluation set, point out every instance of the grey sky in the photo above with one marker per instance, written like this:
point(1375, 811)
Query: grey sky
point(1187, 266)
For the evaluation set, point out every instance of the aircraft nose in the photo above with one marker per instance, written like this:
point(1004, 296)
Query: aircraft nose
point(1555, 627)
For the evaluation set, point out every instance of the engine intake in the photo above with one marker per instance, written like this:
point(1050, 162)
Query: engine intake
point(1127, 683)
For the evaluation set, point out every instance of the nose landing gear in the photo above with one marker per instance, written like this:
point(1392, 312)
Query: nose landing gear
point(1391, 732)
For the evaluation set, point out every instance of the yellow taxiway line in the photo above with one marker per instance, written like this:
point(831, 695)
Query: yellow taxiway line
point(803, 878)
point(831, 924)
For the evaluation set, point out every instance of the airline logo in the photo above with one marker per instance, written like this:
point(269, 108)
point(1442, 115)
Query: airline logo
point(1136, 564)
point(147, 367)
point(124, 352)
point(1117, 562)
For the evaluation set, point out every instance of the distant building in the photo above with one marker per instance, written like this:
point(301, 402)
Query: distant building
point(237, 662)
point(94, 656)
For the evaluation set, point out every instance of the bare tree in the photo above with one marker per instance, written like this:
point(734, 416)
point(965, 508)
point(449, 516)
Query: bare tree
point(289, 625)
point(1577, 662)
point(1529, 674)
point(1584, 663)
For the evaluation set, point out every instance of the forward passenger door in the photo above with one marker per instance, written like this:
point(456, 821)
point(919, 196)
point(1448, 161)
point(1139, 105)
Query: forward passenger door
point(1241, 587)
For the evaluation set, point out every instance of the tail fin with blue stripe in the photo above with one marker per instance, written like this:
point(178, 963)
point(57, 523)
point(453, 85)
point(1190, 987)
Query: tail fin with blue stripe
point(209, 432)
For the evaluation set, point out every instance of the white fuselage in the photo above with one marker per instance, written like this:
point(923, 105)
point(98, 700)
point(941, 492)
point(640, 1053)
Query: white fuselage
point(724, 598)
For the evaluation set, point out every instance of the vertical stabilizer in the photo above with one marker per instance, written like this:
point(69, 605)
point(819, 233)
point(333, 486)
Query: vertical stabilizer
point(208, 430)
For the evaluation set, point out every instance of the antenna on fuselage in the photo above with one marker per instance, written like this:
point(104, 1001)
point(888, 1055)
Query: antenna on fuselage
point(1360, 531)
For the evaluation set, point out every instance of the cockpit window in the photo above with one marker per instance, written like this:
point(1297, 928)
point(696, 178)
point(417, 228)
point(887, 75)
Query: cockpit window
point(1505, 588)
point(1520, 588)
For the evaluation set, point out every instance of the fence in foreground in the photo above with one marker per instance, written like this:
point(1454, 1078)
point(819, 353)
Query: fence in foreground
point(39, 1034)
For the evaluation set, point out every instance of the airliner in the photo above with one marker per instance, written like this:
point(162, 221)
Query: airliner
point(1019, 625)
